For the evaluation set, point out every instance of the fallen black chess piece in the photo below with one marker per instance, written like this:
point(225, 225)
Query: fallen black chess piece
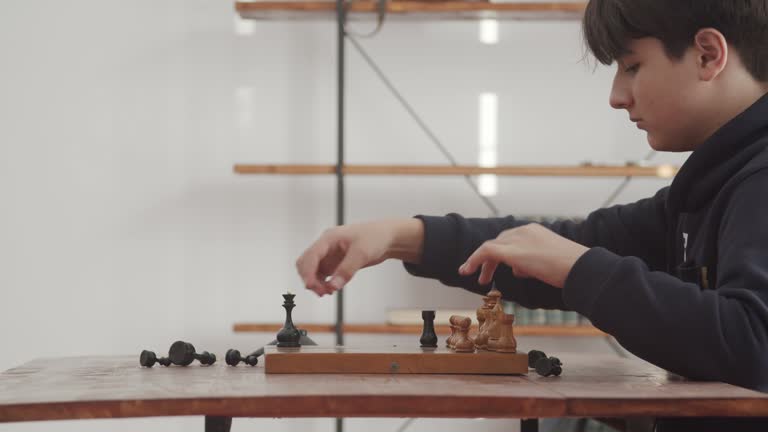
point(181, 354)
point(148, 359)
point(533, 356)
point(545, 366)
point(233, 357)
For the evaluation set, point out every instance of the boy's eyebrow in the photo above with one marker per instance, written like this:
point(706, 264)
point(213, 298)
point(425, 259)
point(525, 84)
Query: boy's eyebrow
point(624, 54)
point(626, 49)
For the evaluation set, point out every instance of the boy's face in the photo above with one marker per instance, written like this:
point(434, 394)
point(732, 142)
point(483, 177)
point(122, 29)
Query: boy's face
point(663, 96)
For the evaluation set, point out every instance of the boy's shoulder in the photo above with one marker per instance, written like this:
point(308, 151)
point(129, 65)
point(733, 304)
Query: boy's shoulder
point(758, 163)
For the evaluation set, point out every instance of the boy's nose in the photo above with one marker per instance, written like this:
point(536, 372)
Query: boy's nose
point(621, 97)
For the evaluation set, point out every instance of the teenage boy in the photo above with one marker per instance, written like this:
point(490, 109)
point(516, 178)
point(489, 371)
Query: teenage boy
point(681, 278)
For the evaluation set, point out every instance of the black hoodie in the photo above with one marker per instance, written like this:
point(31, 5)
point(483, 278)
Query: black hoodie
point(679, 279)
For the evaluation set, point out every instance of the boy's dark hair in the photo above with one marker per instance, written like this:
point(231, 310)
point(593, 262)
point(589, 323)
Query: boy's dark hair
point(609, 25)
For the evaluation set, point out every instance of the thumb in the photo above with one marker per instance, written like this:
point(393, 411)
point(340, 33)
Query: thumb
point(352, 262)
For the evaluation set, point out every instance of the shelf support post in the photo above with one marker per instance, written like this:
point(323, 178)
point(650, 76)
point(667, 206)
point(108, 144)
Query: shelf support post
point(340, 35)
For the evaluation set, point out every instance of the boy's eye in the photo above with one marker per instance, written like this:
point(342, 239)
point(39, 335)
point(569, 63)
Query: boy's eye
point(633, 68)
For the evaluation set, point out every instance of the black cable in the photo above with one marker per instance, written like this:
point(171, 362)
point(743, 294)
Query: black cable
point(420, 122)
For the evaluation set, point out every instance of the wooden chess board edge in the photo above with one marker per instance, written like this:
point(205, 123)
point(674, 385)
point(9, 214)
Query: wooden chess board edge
point(309, 362)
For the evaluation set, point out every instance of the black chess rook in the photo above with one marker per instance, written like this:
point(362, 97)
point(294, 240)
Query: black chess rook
point(428, 335)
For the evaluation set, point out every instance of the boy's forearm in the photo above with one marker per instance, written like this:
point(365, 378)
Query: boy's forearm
point(408, 241)
point(449, 240)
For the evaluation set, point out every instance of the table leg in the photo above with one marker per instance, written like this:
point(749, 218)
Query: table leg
point(217, 424)
point(529, 425)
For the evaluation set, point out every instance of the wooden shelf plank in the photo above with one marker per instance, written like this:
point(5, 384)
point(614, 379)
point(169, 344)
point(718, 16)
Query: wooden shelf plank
point(416, 10)
point(520, 330)
point(662, 171)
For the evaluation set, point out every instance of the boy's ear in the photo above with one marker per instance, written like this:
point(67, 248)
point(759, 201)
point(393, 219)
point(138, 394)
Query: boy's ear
point(711, 53)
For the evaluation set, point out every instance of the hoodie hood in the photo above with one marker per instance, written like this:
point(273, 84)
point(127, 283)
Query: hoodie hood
point(719, 159)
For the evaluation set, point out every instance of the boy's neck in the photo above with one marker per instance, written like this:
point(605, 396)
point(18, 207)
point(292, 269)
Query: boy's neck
point(737, 95)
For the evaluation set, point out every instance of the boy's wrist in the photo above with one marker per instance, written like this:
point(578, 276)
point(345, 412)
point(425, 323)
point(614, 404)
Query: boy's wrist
point(407, 240)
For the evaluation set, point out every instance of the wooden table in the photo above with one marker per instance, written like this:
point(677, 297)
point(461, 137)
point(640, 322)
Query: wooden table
point(591, 386)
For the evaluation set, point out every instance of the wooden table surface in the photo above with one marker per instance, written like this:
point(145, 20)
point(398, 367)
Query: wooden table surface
point(590, 386)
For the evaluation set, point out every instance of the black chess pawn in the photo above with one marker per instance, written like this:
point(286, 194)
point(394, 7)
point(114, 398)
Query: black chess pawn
point(183, 354)
point(534, 356)
point(549, 366)
point(148, 359)
point(289, 335)
point(428, 336)
point(233, 357)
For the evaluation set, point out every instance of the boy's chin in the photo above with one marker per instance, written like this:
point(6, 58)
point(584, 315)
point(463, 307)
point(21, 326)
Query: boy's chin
point(654, 142)
point(664, 145)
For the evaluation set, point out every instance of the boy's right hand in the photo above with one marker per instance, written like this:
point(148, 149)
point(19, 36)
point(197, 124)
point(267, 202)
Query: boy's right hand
point(335, 257)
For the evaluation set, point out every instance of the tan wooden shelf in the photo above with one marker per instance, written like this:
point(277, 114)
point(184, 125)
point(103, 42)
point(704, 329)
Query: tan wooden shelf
point(661, 171)
point(417, 10)
point(520, 330)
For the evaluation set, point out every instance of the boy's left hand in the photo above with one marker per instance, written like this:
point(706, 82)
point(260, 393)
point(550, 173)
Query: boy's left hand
point(532, 251)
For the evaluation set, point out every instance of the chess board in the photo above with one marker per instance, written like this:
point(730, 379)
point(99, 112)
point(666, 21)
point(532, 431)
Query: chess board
point(390, 360)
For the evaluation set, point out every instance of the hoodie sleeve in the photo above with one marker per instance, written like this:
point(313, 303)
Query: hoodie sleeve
point(636, 229)
point(714, 334)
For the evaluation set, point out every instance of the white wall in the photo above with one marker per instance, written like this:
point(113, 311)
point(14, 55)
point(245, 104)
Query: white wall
point(122, 226)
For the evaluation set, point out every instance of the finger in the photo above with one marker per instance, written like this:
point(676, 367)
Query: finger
point(324, 276)
point(321, 288)
point(307, 265)
point(326, 287)
point(487, 271)
point(315, 286)
point(353, 261)
point(488, 251)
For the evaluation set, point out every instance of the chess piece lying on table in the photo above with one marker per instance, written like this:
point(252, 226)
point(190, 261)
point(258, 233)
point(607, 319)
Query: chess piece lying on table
point(545, 366)
point(148, 359)
point(549, 366)
point(233, 357)
point(534, 356)
point(181, 354)
point(288, 336)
